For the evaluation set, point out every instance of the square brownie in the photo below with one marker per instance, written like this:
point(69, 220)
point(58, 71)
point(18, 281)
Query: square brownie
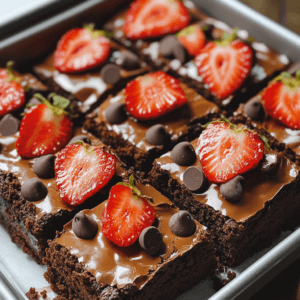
point(97, 268)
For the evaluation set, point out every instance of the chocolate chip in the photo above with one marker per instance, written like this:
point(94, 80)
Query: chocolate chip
point(293, 68)
point(180, 53)
point(43, 166)
point(157, 135)
point(110, 74)
point(151, 239)
point(33, 189)
point(232, 190)
point(194, 179)
point(182, 224)
point(82, 137)
point(116, 113)
point(183, 154)
point(254, 109)
point(271, 163)
point(128, 60)
point(168, 44)
point(84, 226)
point(9, 125)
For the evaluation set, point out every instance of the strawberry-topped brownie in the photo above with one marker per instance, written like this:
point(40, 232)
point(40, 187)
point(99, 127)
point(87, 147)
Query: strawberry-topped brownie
point(87, 66)
point(147, 118)
point(135, 245)
point(223, 65)
point(232, 183)
point(50, 170)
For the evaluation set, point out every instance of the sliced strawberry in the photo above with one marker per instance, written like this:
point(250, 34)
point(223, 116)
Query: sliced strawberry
point(192, 38)
point(226, 151)
point(155, 18)
point(12, 94)
point(44, 129)
point(125, 216)
point(282, 100)
point(153, 95)
point(224, 65)
point(81, 171)
point(81, 49)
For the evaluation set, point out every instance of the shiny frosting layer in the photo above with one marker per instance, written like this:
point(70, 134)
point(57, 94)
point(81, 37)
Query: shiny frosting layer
point(28, 80)
point(176, 122)
point(23, 170)
point(258, 188)
point(117, 266)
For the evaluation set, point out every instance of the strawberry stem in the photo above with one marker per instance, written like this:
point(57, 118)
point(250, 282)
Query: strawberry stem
point(288, 80)
point(11, 76)
point(96, 33)
point(56, 109)
point(227, 38)
point(131, 185)
point(85, 146)
point(186, 31)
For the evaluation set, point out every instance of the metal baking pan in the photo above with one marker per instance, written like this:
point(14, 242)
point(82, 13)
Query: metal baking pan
point(35, 41)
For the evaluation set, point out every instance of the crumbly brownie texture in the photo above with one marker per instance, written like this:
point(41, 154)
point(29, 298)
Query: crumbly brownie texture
point(182, 263)
point(243, 228)
point(128, 138)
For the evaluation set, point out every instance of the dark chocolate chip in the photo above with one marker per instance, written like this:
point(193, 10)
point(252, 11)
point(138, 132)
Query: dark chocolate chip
point(168, 44)
point(116, 113)
point(232, 190)
point(151, 239)
point(183, 154)
point(110, 74)
point(182, 224)
point(271, 163)
point(180, 53)
point(293, 68)
point(43, 166)
point(9, 125)
point(82, 137)
point(157, 135)
point(33, 189)
point(194, 179)
point(254, 109)
point(84, 226)
point(128, 60)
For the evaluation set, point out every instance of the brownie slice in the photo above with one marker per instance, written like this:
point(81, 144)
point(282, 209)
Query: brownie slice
point(270, 204)
point(98, 269)
point(267, 62)
point(33, 223)
point(128, 138)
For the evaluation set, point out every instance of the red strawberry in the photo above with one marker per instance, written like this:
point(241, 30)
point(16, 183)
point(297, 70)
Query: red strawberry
point(192, 38)
point(153, 95)
point(126, 215)
point(81, 171)
point(12, 94)
point(226, 151)
point(44, 129)
point(282, 100)
point(224, 65)
point(81, 49)
point(155, 18)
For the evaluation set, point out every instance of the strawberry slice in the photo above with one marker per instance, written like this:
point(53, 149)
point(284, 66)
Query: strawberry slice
point(126, 215)
point(44, 129)
point(82, 170)
point(153, 95)
point(224, 65)
point(226, 151)
point(192, 38)
point(282, 99)
point(155, 18)
point(81, 49)
point(12, 94)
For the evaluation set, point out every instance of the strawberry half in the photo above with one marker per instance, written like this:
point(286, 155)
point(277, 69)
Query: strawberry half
point(192, 38)
point(81, 49)
point(126, 215)
point(226, 151)
point(153, 95)
point(224, 65)
point(282, 99)
point(44, 129)
point(81, 171)
point(12, 94)
point(155, 18)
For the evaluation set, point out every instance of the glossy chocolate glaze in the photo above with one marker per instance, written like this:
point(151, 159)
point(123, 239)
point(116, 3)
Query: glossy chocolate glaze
point(176, 122)
point(22, 168)
point(258, 188)
point(28, 80)
point(117, 266)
